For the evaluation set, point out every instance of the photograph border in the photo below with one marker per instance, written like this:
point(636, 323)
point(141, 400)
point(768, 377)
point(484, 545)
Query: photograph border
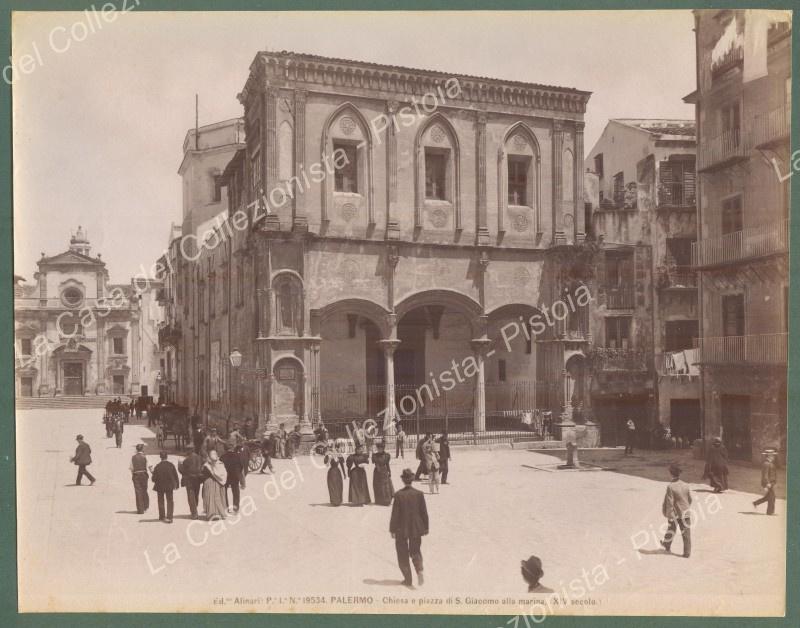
point(8, 540)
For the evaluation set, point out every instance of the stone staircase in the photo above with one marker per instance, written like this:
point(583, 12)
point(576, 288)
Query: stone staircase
point(66, 402)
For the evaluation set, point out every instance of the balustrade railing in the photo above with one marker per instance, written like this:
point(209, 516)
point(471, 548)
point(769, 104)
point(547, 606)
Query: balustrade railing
point(750, 349)
point(767, 239)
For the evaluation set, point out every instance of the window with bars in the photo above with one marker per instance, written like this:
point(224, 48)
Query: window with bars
point(730, 121)
point(435, 175)
point(677, 179)
point(346, 174)
point(518, 180)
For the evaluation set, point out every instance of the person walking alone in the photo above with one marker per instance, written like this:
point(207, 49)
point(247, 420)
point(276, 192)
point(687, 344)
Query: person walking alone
point(165, 481)
point(139, 478)
point(769, 477)
point(82, 458)
point(630, 436)
point(407, 525)
point(676, 508)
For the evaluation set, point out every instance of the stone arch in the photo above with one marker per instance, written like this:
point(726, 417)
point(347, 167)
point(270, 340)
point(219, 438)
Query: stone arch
point(361, 138)
point(452, 298)
point(453, 185)
point(370, 310)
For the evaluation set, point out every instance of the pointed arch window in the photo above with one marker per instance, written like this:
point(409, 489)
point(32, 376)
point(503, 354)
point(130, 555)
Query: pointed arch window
point(438, 180)
point(519, 188)
point(348, 145)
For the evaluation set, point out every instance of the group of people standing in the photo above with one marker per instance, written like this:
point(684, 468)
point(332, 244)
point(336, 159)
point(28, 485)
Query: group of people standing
point(358, 493)
point(434, 460)
point(214, 467)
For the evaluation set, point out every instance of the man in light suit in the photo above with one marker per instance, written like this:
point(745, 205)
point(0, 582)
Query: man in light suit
point(408, 524)
point(676, 508)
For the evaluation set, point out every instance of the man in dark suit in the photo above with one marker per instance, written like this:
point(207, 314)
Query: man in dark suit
point(676, 508)
point(233, 466)
point(82, 458)
point(769, 476)
point(409, 523)
point(444, 456)
point(422, 469)
point(165, 480)
point(191, 469)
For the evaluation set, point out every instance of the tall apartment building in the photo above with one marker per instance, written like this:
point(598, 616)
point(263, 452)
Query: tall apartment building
point(743, 110)
point(641, 205)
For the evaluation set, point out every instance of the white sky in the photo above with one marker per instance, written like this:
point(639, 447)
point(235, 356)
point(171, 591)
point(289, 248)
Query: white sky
point(99, 128)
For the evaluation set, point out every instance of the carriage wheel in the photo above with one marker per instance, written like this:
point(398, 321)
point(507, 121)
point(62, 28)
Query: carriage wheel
point(256, 460)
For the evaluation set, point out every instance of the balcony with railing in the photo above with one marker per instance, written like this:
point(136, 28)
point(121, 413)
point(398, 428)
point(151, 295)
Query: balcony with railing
point(752, 349)
point(677, 278)
point(723, 150)
point(678, 363)
point(732, 58)
point(739, 246)
point(619, 297)
point(771, 127)
point(607, 359)
point(169, 334)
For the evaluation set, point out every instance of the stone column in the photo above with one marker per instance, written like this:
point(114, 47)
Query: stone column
point(316, 411)
point(390, 413)
point(101, 357)
point(269, 143)
point(479, 347)
point(135, 352)
point(392, 225)
point(300, 219)
point(558, 150)
point(580, 216)
point(480, 136)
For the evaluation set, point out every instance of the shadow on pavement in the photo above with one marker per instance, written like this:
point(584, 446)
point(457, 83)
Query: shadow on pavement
point(383, 583)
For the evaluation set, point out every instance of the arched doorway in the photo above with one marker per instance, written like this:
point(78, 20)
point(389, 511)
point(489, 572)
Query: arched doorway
point(352, 365)
point(434, 363)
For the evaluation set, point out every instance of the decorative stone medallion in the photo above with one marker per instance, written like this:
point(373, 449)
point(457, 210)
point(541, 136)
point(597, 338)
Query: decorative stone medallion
point(350, 270)
point(438, 134)
point(348, 211)
point(522, 276)
point(347, 125)
point(439, 218)
point(520, 222)
point(520, 143)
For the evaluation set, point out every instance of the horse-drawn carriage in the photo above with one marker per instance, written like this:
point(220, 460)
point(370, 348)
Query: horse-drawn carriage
point(174, 423)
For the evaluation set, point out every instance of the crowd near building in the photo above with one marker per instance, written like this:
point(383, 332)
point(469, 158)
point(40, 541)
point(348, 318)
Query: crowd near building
point(372, 241)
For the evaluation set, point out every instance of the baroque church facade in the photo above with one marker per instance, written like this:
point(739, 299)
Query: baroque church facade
point(77, 334)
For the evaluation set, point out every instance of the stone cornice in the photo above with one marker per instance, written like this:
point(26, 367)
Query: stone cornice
point(286, 69)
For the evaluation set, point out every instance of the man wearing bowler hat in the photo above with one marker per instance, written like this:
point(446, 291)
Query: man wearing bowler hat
point(769, 476)
point(676, 508)
point(408, 524)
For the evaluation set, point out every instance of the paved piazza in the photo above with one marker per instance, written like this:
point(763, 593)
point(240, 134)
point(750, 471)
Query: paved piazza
point(85, 548)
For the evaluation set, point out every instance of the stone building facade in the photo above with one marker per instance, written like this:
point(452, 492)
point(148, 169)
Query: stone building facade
point(387, 230)
point(743, 108)
point(641, 204)
point(76, 334)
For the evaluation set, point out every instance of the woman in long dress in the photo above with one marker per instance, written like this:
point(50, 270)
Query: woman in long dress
point(335, 477)
point(382, 476)
point(214, 478)
point(358, 495)
point(431, 451)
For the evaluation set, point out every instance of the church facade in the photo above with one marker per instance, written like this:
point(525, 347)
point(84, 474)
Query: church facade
point(76, 334)
point(395, 241)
